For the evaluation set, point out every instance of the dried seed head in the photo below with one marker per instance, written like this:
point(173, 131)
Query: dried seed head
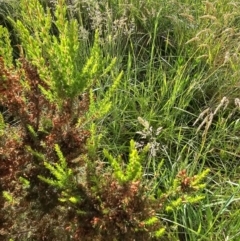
point(211, 17)
point(237, 102)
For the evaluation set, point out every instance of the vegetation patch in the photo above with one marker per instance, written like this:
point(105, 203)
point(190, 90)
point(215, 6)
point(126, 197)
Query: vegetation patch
point(119, 120)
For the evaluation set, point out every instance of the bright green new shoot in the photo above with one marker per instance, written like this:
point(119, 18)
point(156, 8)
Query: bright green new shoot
point(62, 174)
point(8, 196)
point(5, 46)
point(2, 125)
point(133, 170)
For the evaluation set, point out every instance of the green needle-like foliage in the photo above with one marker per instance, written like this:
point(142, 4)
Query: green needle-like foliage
point(2, 125)
point(60, 58)
point(186, 189)
point(5, 46)
point(62, 174)
point(133, 170)
point(8, 196)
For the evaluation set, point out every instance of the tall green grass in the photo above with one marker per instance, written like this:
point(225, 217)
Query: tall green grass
point(181, 62)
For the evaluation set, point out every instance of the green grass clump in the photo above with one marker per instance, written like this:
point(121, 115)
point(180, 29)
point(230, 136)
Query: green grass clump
point(95, 75)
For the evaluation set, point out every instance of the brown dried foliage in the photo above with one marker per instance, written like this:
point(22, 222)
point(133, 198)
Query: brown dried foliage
point(21, 97)
point(109, 209)
point(116, 210)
